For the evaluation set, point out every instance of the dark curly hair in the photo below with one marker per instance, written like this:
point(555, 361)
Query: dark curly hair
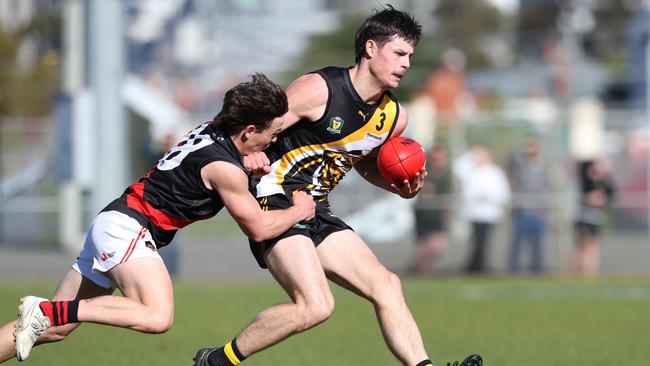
point(382, 26)
point(256, 102)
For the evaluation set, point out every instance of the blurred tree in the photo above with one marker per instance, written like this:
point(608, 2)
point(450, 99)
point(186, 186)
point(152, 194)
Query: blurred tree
point(465, 25)
point(537, 22)
point(462, 24)
point(336, 49)
point(30, 66)
point(606, 42)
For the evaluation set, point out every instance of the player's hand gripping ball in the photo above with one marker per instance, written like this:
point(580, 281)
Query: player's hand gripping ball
point(400, 158)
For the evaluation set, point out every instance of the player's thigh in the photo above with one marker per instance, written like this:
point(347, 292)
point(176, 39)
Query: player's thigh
point(349, 262)
point(74, 286)
point(145, 280)
point(294, 263)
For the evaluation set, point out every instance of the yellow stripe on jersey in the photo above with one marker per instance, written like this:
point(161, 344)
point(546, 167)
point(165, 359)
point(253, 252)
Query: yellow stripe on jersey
point(378, 126)
point(293, 156)
point(264, 204)
point(307, 165)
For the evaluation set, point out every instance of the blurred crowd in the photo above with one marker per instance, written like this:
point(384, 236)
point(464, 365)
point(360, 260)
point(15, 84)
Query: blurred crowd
point(467, 184)
point(523, 130)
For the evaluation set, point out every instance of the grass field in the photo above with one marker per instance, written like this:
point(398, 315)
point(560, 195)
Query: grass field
point(509, 322)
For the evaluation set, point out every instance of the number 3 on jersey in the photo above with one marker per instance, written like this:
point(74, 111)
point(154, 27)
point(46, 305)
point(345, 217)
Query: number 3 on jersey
point(382, 119)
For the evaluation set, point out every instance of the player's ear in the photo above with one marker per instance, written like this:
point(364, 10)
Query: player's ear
point(371, 48)
point(248, 131)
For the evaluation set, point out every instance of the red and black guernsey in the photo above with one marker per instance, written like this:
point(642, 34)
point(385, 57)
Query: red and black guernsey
point(172, 194)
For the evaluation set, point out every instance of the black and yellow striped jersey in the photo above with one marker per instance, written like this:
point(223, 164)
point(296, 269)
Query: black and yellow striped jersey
point(313, 156)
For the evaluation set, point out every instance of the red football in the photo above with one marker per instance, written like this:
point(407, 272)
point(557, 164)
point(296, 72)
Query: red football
point(400, 158)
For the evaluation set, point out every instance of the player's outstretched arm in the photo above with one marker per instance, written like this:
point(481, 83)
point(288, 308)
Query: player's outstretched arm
point(232, 184)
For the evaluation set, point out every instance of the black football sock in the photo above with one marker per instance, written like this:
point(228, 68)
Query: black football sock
point(227, 355)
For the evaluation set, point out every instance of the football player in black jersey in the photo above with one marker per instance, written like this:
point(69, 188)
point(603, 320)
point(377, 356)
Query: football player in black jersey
point(200, 175)
point(338, 118)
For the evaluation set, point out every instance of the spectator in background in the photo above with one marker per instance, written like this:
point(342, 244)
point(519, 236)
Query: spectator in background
point(630, 176)
point(529, 178)
point(484, 192)
point(597, 191)
point(422, 119)
point(446, 86)
point(431, 211)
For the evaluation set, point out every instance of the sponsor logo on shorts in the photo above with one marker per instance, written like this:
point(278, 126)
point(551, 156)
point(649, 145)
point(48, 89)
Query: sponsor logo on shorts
point(150, 245)
point(106, 256)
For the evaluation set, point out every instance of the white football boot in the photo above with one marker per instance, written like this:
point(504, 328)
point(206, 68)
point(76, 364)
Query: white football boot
point(31, 323)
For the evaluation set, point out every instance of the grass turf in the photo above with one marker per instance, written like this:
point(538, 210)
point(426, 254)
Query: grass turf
point(510, 322)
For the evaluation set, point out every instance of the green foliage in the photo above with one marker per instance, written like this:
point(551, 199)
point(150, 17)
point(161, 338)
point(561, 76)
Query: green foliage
point(337, 49)
point(508, 321)
point(460, 24)
point(464, 24)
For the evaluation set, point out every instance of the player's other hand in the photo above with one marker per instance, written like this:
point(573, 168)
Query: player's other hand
point(305, 203)
point(410, 188)
point(257, 163)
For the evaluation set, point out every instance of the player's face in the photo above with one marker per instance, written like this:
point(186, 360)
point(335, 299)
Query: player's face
point(260, 140)
point(392, 61)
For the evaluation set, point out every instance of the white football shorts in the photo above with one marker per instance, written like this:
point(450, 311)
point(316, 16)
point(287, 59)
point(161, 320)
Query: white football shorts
point(113, 238)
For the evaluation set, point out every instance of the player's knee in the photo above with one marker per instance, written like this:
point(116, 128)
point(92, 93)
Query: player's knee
point(159, 326)
point(161, 322)
point(164, 323)
point(394, 283)
point(314, 316)
point(316, 312)
point(388, 287)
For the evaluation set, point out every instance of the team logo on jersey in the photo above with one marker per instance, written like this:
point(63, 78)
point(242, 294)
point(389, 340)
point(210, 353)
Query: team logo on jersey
point(336, 123)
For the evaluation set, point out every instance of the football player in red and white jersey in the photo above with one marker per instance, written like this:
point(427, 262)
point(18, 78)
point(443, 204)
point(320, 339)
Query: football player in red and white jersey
point(207, 170)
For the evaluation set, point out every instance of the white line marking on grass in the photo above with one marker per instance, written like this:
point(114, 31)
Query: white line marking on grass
point(555, 292)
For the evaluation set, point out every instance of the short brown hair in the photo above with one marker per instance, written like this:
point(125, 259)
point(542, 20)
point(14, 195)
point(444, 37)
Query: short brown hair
point(256, 102)
point(382, 26)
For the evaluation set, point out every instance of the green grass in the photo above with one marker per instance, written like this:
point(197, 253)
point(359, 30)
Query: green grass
point(509, 322)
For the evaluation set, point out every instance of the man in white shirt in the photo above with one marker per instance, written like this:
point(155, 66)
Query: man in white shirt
point(484, 193)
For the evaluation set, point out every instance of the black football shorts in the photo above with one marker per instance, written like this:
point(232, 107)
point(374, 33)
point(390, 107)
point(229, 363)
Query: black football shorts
point(320, 227)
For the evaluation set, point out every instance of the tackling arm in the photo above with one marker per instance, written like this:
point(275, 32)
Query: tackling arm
point(232, 184)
